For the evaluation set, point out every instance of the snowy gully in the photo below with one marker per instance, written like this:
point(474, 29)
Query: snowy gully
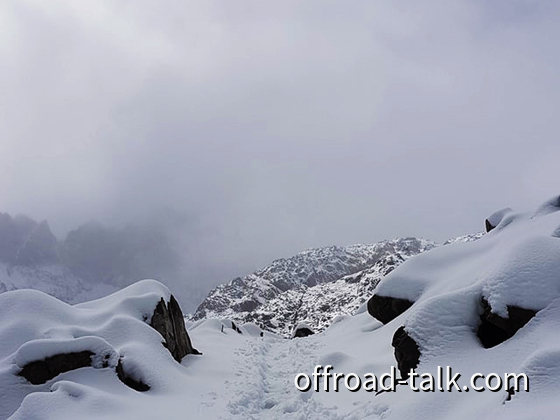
point(443, 380)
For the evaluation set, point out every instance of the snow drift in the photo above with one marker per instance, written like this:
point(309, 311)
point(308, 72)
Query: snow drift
point(114, 341)
point(508, 281)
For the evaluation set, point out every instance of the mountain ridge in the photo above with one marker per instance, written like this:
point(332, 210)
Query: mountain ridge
point(313, 287)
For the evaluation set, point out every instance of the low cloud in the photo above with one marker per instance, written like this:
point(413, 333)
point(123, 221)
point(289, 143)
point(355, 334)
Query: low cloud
point(272, 127)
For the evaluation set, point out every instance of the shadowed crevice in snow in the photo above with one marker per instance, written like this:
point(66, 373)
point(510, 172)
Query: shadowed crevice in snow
point(494, 329)
point(40, 371)
point(386, 308)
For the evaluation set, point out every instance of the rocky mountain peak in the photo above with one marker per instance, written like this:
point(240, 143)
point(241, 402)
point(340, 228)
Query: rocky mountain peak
point(314, 286)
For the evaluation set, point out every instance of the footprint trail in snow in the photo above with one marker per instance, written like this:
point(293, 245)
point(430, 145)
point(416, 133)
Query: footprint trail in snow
point(264, 382)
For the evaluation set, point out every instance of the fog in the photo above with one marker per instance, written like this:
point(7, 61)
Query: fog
point(253, 130)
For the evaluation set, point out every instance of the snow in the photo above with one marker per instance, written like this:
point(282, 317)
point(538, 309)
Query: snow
point(249, 376)
point(517, 265)
point(550, 206)
point(496, 217)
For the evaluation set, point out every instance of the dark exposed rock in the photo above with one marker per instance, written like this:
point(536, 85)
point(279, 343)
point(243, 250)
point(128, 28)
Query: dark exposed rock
point(407, 352)
point(129, 381)
point(385, 308)
point(235, 328)
point(181, 335)
point(303, 332)
point(510, 393)
point(495, 329)
point(245, 306)
point(40, 371)
point(162, 323)
point(497, 218)
point(168, 320)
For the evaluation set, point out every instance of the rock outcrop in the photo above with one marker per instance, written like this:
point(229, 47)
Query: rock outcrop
point(496, 218)
point(494, 329)
point(235, 328)
point(303, 332)
point(168, 320)
point(407, 352)
point(40, 371)
point(128, 380)
point(386, 308)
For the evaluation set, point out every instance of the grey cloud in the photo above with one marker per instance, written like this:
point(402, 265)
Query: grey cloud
point(277, 126)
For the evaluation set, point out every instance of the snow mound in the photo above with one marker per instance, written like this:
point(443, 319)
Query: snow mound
point(88, 352)
point(456, 289)
point(516, 264)
point(550, 206)
point(496, 218)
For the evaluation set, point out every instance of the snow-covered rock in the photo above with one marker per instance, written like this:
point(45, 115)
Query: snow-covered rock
point(302, 330)
point(509, 278)
point(114, 343)
point(495, 218)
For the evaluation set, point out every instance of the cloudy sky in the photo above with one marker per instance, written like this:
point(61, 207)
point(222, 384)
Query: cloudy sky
point(270, 127)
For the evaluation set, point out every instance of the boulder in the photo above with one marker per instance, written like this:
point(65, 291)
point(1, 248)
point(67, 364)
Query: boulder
point(40, 371)
point(168, 320)
point(494, 329)
point(496, 218)
point(386, 308)
point(407, 352)
point(128, 380)
point(302, 330)
point(235, 328)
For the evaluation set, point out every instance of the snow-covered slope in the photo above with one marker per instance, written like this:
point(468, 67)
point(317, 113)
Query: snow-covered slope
point(56, 280)
point(454, 290)
point(514, 265)
point(314, 286)
point(104, 349)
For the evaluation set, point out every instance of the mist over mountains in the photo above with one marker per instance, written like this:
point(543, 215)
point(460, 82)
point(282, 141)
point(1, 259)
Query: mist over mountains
point(95, 253)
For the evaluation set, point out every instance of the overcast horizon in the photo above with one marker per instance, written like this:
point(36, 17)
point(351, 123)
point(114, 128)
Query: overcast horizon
point(262, 129)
